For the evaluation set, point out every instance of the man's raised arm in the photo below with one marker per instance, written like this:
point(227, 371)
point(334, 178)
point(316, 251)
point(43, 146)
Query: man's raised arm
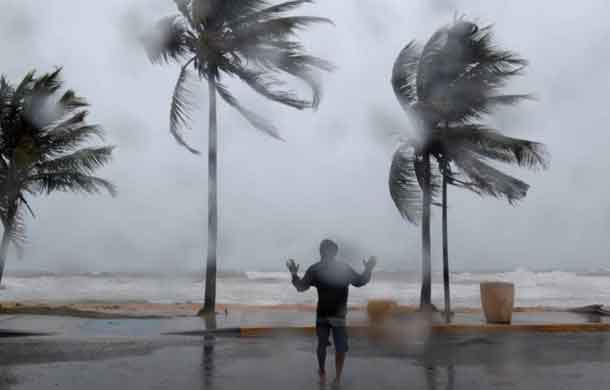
point(359, 280)
point(300, 284)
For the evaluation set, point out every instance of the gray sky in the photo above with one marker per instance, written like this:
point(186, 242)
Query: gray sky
point(277, 200)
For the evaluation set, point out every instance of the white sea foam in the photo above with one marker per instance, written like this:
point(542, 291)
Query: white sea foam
point(253, 275)
point(554, 288)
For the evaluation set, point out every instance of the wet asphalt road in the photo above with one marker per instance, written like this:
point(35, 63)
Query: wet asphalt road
point(517, 361)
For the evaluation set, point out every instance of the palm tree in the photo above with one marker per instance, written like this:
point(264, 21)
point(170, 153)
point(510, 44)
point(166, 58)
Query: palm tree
point(247, 39)
point(42, 149)
point(446, 88)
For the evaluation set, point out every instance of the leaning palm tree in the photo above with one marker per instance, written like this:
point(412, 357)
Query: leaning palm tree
point(42, 149)
point(246, 39)
point(446, 88)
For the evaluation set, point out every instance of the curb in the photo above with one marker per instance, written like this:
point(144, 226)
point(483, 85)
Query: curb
point(365, 330)
point(214, 332)
point(522, 328)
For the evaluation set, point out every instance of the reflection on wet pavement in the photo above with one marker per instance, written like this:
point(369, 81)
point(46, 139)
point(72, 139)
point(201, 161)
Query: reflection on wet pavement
point(209, 343)
point(7, 379)
point(500, 361)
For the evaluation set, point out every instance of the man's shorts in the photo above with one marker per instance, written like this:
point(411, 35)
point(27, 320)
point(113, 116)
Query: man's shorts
point(337, 325)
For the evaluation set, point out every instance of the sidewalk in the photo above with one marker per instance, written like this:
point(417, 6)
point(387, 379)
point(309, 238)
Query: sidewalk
point(521, 361)
point(264, 322)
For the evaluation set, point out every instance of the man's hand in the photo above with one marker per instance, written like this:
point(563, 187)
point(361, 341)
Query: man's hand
point(371, 263)
point(292, 267)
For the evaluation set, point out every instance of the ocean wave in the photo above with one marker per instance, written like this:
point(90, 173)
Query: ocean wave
point(524, 277)
point(533, 288)
point(267, 276)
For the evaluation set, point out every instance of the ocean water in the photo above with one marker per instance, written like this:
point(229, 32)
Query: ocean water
point(552, 288)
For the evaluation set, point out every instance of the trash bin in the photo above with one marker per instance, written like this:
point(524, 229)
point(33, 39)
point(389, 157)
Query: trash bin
point(498, 300)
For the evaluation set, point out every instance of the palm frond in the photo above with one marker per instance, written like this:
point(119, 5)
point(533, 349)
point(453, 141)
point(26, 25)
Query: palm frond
point(167, 41)
point(457, 179)
point(487, 69)
point(85, 161)
point(276, 28)
point(491, 144)
point(47, 84)
point(303, 68)
point(66, 124)
point(70, 181)
point(6, 91)
point(64, 139)
point(181, 106)
point(37, 105)
point(482, 47)
point(268, 86)
point(254, 119)
point(23, 90)
point(66, 135)
point(6, 96)
point(404, 76)
point(469, 98)
point(265, 82)
point(71, 101)
point(430, 66)
point(269, 12)
point(461, 71)
point(42, 108)
point(470, 102)
point(508, 100)
point(17, 231)
point(287, 57)
point(12, 219)
point(404, 186)
point(220, 12)
point(23, 200)
point(488, 180)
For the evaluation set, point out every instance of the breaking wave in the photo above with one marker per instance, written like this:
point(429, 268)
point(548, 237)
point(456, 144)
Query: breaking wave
point(533, 288)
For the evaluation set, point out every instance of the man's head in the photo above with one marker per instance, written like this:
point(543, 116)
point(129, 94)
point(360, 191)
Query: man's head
point(328, 250)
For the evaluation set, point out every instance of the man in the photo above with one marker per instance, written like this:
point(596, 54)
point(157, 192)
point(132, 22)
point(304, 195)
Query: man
point(332, 279)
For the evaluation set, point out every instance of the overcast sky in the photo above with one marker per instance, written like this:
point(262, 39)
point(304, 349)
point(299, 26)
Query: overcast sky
point(277, 200)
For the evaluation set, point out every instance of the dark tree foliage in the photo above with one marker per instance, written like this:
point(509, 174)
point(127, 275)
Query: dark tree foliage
point(251, 40)
point(447, 88)
point(44, 147)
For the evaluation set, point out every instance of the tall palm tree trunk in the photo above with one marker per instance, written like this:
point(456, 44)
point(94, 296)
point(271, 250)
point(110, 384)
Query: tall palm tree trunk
point(209, 305)
point(6, 237)
point(426, 293)
point(446, 249)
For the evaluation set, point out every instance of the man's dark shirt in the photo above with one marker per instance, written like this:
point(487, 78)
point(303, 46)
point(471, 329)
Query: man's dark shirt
point(331, 279)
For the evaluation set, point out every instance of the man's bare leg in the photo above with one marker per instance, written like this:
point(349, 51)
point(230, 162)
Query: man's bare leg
point(339, 363)
point(322, 363)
